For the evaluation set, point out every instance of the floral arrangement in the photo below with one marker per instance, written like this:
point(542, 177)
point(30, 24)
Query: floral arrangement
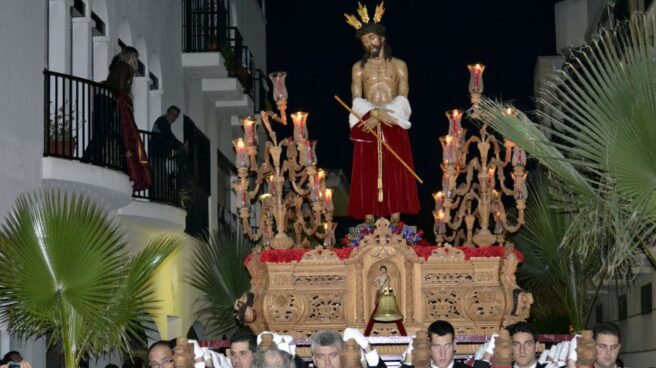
point(357, 233)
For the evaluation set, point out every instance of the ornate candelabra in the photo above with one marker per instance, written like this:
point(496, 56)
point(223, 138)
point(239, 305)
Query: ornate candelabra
point(481, 196)
point(289, 186)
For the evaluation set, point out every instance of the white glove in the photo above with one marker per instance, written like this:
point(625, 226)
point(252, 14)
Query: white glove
point(224, 361)
point(572, 355)
point(198, 353)
point(286, 343)
point(354, 333)
point(543, 357)
point(554, 352)
point(276, 338)
point(480, 352)
point(216, 362)
point(564, 352)
point(409, 349)
point(490, 344)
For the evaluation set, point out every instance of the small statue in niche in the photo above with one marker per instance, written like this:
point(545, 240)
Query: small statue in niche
point(381, 282)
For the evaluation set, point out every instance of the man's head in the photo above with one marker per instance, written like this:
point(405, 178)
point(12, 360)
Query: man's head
point(326, 349)
point(524, 342)
point(242, 349)
point(383, 269)
point(273, 358)
point(160, 355)
point(13, 356)
point(443, 345)
point(172, 113)
point(608, 340)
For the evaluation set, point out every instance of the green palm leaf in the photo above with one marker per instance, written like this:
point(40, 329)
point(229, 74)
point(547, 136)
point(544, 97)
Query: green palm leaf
point(220, 275)
point(598, 112)
point(68, 273)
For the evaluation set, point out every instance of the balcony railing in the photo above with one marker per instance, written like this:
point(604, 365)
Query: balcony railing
point(165, 156)
point(81, 121)
point(206, 28)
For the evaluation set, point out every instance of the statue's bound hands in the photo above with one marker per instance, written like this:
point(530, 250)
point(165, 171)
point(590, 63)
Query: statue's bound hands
point(370, 124)
point(376, 117)
point(383, 115)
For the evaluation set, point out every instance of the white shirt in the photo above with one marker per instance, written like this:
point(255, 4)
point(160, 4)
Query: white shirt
point(449, 366)
point(534, 365)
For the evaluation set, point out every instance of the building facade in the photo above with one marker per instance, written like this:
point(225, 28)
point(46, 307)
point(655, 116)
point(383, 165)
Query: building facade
point(208, 57)
point(630, 305)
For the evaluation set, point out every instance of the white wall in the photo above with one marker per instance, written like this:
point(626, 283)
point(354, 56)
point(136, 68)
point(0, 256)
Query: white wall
point(22, 39)
point(252, 26)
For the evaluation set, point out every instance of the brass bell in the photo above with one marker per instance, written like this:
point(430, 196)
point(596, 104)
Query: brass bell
point(387, 309)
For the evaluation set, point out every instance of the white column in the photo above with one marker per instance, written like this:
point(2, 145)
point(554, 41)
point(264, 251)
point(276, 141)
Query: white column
point(59, 43)
point(141, 92)
point(155, 108)
point(82, 48)
point(102, 56)
point(4, 339)
point(34, 351)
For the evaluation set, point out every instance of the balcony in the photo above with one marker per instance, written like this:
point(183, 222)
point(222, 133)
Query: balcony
point(83, 149)
point(161, 206)
point(81, 139)
point(214, 52)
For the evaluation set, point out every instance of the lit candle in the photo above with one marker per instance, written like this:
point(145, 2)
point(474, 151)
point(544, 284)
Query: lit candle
point(439, 200)
point(250, 136)
point(300, 126)
point(242, 195)
point(328, 200)
point(310, 156)
point(241, 158)
point(450, 150)
point(498, 225)
point(455, 127)
point(329, 236)
point(319, 186)
point(490, 177)
point(518, 157)
point(271, 185)
point(279, 88)
point(476, 78)
point(439, 218)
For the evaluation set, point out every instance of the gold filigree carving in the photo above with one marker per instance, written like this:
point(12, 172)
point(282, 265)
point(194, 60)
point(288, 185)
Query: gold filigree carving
point(326, 308)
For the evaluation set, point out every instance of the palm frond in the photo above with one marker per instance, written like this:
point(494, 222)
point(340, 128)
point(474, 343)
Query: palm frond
point(221, 277)
point(68, 273)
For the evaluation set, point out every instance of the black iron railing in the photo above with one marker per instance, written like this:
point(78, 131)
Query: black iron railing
point(260, 91)
point(206, 27)
point(81, 121)
point(165, 156)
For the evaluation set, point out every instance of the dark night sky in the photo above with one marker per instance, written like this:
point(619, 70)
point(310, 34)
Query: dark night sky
point(437, 39)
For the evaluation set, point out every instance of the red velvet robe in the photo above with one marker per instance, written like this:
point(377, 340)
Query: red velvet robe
point(399, 186)
point(135, 154)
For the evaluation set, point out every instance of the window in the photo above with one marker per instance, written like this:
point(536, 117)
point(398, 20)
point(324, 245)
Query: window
point(153, 81)
point(78, 9)
point(622, 307)
point(646, 304)
point(99, 28)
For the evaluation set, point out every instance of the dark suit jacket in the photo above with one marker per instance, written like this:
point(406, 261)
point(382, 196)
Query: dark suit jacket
point(484, 364)
point(455, 365)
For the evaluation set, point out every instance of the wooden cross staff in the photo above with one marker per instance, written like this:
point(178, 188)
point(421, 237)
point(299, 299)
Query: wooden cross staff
point(381, 141)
